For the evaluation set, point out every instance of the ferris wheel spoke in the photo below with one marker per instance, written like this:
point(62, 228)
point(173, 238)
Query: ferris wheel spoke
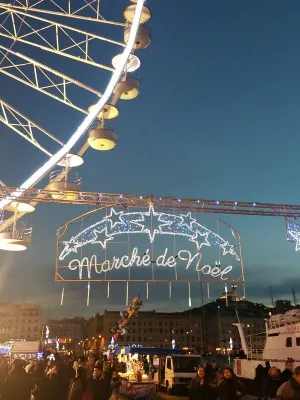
point(64, 14)
point(42, 78)
point(22, 125)
point(86, 9)
point(60, 39)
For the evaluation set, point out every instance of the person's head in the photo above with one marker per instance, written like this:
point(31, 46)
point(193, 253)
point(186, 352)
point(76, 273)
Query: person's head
point(289, 364)
point(17, 364)
point(201, 372)
point(105, 357)
point(296, 374)
point(91, 361)
point(267, 364)
point(97, 373)
point(228, 373)
point(273, 371)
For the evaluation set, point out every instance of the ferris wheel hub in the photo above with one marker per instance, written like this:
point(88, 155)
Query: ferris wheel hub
point(102, 138)
point(128, 89)
point(129, 13)
point(133, 62)
point(109, 111)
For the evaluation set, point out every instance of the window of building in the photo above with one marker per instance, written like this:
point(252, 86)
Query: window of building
point(288, 342)
point(297, 341)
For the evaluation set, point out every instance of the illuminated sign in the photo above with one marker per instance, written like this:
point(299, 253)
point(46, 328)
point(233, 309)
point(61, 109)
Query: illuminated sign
point(91, 264)
point(150, 225)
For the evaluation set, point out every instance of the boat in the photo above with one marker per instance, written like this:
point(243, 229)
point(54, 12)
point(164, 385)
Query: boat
point(282, 344)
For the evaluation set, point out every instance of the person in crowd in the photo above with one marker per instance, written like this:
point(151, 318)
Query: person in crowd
point(116, 384)
point(77, 383)
point(40, 380)
point(230, 388)
point(3, 372)
point(259, 380)
point(52, 390)
point(202, 387)
point(267, 367)
point(209, 371)
point(99, 387)
point(290, 390)
point(106, 367)
point(17, 385)
point(287, 373)
point(89, 373)
point(271, 384)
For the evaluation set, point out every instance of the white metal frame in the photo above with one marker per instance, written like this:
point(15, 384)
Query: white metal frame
point(90, 10)
point(22, 125)
point(34, 74)
point(51, 37)
point(57, 157)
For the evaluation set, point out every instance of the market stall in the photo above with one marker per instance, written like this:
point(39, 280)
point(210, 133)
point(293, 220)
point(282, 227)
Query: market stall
point(138, 370)
point(25, 350)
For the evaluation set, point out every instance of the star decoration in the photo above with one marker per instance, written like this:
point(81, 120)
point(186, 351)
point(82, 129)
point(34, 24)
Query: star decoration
point(106, 237)
point(187, 220)
point(296, 236)
point(114, 213)
point(200, 240)
point(148, 228)
point(228, 249)
point(70, 247)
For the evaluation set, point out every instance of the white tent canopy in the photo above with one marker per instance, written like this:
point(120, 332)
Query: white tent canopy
point(25, 347)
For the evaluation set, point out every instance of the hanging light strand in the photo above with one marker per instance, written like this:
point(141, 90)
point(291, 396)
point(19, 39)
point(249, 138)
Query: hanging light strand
point(88, 294)
point(127, 290)
point(62, 296)
point(189, 288)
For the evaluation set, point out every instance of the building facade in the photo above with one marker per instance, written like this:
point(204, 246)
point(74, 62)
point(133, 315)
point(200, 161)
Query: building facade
point(20, 321)
point(221, 336)
point(151, 329)
point(69, 332)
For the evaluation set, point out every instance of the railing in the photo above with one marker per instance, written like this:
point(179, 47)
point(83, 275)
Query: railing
point(64, 175)
point(19, 230)
point(255, 354)
point(274, 354)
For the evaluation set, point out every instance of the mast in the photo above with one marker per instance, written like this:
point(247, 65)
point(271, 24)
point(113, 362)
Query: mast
point(295, 298)
point(272, 299)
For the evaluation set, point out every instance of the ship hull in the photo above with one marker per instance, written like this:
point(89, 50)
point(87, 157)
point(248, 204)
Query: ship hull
point(244, 368)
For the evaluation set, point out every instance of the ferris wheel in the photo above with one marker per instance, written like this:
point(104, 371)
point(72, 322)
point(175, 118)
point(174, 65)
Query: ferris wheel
point(36, 38)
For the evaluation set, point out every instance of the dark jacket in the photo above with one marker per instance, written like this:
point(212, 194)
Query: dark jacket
point(289, 391)
point(100, 389)
point(228, 387)
point(286, 375)
point(17, 385)
point(201, 392)
point(270, 387)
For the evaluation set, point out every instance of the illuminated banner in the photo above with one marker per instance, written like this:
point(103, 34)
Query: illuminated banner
point(84, 256)
point(293, 233)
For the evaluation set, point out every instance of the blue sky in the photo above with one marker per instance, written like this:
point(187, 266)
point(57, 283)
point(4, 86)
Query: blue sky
point(217, 118)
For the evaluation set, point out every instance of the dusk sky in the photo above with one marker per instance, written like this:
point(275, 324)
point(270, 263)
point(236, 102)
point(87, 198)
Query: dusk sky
point(218, 117)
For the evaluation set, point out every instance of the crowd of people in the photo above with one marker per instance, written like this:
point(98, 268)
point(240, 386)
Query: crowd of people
point(212, 384)
point(275, 384)
point(56, 378)
point(272, 384)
